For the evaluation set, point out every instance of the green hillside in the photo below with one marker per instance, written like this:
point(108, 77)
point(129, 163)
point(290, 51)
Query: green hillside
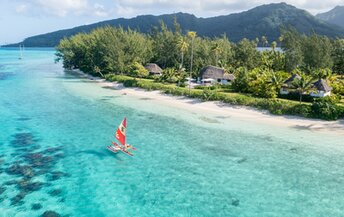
point(264, 20)
point(334, 16)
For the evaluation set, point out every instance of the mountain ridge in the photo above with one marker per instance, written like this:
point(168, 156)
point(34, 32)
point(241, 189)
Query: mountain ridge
point(333, 16)
point(264, 20)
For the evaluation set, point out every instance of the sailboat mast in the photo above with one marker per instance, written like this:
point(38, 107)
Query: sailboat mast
point(21, 52)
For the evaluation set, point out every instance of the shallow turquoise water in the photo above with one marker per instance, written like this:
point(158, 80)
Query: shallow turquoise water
point(55, 126)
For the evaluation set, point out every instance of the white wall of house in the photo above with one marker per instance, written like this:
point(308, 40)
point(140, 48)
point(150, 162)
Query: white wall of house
point(208, 82)
point(225, 82)
point(284, 91)
point(320, 94)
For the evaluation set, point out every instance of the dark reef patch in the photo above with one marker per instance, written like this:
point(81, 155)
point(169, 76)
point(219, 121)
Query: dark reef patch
point(5, 75)
point(36, 206)
point(22, 170)
point(29, 187)
point(23, 139)
point(38, 160)
point(2, 190)
point(51, 150)
point(55, 192)
point(18, 199)
point(23, 119)
point(235, 202)
point(50, 213)
point(56, 175)
point(29, 161)
point(11, 182)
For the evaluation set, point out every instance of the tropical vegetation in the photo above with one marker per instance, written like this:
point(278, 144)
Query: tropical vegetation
point(114, 52)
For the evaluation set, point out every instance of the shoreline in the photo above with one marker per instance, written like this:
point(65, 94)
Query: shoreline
point(240, 112)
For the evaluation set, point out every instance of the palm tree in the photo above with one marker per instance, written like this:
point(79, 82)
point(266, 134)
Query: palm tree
point(273, 45)
point(192, 35)
point(217, 50)
point(257, 41)
point(303, 84)
point(98, 71)
point(275, 79)
point(183, 47)
point(264, 41)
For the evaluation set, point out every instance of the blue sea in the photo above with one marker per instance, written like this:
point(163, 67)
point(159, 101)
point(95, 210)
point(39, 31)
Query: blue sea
point(54, 129)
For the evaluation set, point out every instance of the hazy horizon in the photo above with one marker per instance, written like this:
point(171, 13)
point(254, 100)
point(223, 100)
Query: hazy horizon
point(25, 18)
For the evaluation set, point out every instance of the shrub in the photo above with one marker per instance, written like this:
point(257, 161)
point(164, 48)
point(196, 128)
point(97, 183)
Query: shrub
point(138, 70)
point(338, 87)
point(303, 110)
point(325, 108)
point(296, 97)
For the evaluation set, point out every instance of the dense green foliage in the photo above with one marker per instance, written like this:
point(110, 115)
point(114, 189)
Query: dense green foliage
point(115, 51)
point(327, 109)
point(312, 53)
point(109, 49)
point(265, 20)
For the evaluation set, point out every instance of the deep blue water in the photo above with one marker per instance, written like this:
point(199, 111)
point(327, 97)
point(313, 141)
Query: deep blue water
point(55, 127)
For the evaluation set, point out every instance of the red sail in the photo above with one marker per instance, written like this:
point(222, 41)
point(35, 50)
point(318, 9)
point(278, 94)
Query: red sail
point(120, 133)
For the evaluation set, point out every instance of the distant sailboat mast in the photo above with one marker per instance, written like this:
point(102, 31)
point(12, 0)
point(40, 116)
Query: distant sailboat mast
point(21, 51)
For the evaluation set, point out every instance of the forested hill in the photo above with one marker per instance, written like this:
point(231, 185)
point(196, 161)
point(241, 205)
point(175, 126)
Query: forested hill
point(265, 20)
point(334, 16)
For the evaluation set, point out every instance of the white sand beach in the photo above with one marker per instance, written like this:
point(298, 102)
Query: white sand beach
point(241, 112)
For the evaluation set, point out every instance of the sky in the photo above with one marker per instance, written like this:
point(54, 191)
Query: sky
point(20, 19)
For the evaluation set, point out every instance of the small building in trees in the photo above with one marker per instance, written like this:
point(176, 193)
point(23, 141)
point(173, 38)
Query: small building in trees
point(153, 69)
point(215, 75)
point(322, 89)
point(287, 86)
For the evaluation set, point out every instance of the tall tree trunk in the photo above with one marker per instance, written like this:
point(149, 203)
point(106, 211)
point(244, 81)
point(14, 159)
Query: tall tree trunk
point(181, 65)
point(216, 59)
point(192, 45)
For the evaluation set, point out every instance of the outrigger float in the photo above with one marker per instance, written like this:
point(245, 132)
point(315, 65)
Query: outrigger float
point(121, 137)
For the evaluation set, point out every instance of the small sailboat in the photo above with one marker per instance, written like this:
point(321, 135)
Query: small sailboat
point(121, 137)
point(21, 51)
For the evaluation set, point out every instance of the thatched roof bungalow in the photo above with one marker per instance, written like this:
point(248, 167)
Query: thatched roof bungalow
point(291, 79)
point(323, 89)
point(288, 84)
point(213, 74)
point(153, 69)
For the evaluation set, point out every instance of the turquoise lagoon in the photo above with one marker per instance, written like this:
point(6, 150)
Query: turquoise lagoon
point(55, 127)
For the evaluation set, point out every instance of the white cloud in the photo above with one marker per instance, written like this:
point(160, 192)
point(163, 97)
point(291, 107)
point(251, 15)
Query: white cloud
point(60, 8)
point(100, 11)
point(22, 8)
point(208, 8)
point(130, 8)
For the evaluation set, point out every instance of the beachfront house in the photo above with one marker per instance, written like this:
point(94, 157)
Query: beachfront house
point(322, 89)
point(287, 86)
point(215, 75)
point(153, 69)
